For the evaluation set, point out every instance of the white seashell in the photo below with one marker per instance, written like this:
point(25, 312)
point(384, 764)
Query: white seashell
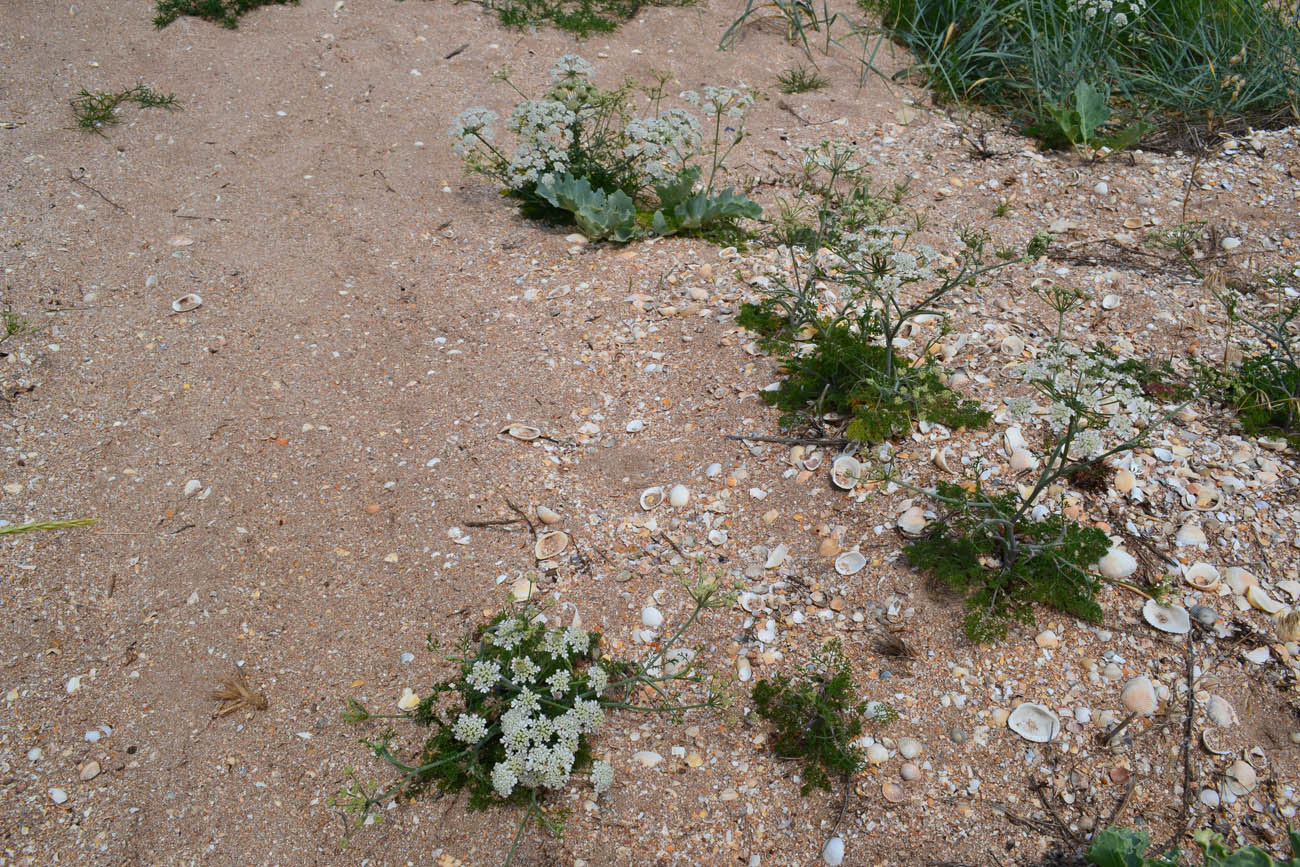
point(1124, 481)
point(1190, 535)
point(1013, 440)
point(1011, 345)
point(751, 602)
point(59, 796)
point(1167, 618)
point(1202, 576)
point(647, 758)
point(846, 471)
point(811, 463)
point(1139, 696)
point(1241, 778)
point(777, 556)
point(1110, 302)
point(679, 496)
point(913, 522)
point(522, 589)
point(1256, 596)
point(192, 487)
point(1023, 459)
point(909, 748)
point(1259, 655)
point(551, 545)
point(717, 537)
point(525, 432)
point(1117, 564)
point(833, 852)
point(1290, 588)
point(1033, 722)
point(1214, 742)
point(939, 457)
point(547, 516)
point(1210, 798)
point(652, 617)
point(850, 563)
point(767, 634)
point(1220, 712)
point(877, 754)
point(652, 497)
point(1239, 580)
point(186, 303)
point(409, 700)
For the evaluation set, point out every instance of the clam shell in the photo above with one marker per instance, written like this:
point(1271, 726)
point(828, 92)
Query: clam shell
point(1033, 722)
point(1167, 618)
point(751, 602)
point(1117, 564)
point(1023, 459)
point(850, 563)
point(1139, 696)
point(846, 471)
point(1239, 580)
point(186, 303)
point(1124, 481)
point(547, 516)
point(679, 496)
point(1240, 778)
point(1256, 596)
point(1110, 302)
point(551, 545)
point(652, 497)
point(892, 791)
point(913, 522)
point(1214, 742)
point(1202, 576)
point(525, 432)
point(1011, 345)
point(1220, 712)
point(812, 462)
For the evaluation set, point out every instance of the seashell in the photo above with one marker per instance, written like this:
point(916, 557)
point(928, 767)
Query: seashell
point(1139, 696)
point(812, 463)
point(647, 758)
point(909, 772)
point(1220, 712)
point(1022, 460)
point(1210, 798)
point(717, 537)
point(1133, 222)
point(850, 563)
point(1204, 499)
point(1013, 440)
point(1033, 722)
point(909, 748)
point(1214, 742)
point(743, 670)
point(1124, 481)
point(409, 700)
point(525, 432)
point(1117, 564)
point(522, 590)
point(777, 556)
point(833, 852)
point(1239, 580)
point(186, 303)
point(751, 602)
point(551, 545)
point(877, 754)
point(1110, 302)
point(651, 617)
point(679, 496)
point(1190, 535)
point(846, 472)
point(1202, 576)
point(652, 497)
point(1011, 345)
point(767, 634)
point(913, 522)
point(1167, 618)
point(892, 791)
point(1259, 655)
point(1256, 596)
point(1240, 778)
point(1290, 588)
point(939, 457)
point(547, 516)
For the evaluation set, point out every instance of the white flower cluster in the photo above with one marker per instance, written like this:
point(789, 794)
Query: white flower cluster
point(541, 750)
point(835, 155)
point(1120, 12)
point(471, 126)
point(571, 66)
point(546, 131)
point(718, 101)
point(663, 144)
point(1105, 405)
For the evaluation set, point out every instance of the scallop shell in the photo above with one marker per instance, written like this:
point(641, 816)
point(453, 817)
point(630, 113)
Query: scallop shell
point(551, 545)
point(525, 432)
point(846, 472)
point(850, 563)
point(1214, 742)
point(652, 497)
point(1202, 576)
point(1033, 722)
point(1167, 618)
point(186, 303)
point(892, 792)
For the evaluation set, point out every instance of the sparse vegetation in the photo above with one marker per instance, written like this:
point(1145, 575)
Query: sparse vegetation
point(224, 12)
point(1264, 389)
point(801, 79)
point(1125, 847)
point(95, 110)
point(580, 17)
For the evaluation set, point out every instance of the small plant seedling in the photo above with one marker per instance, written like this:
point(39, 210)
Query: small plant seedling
point(95, 110)
point(817, 717)
point(801, 79)
point(223, 12)
point(234, 693)
point(12, 325)
point(1002, 207)
point(36, 526)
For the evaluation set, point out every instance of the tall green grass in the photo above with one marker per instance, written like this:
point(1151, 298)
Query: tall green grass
point(1174, 70)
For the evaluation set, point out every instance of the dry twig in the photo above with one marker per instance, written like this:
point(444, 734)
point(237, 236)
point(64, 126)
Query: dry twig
point(234, 693)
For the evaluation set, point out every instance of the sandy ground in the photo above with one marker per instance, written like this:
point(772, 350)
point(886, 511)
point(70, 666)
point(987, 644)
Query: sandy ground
point(370, 320)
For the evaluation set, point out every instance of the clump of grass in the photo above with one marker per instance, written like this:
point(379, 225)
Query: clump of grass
point(817, 717)
point(1091, 73)
point(801, 79)
point(223, 12)
point(38, 526)
point(12, 325)
point(1265, 389)
point(579, 17)
point(95, 110)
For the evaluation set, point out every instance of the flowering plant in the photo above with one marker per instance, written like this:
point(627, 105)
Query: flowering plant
point(517, 718)
point(582, 154)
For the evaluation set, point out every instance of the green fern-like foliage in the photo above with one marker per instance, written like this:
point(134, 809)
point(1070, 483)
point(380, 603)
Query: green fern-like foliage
point(817, 717)
point(1050, 564)
point(223, 12)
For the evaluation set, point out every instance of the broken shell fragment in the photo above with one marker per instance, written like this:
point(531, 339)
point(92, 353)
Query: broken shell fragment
point(1167, 618)
point(1239, 580)
point(522, 589)
point(551, 545)
point(1023, 459)
point(1220, 712)
point(1033, 722)
point(913, 522)
point(777, 556)
point(186, 303)
point(1240, 778)
point(1117, 564)
point(547, 516)
point(1256, 596)
point(846, 471)
point(1214, 742)
point(939, 457)
point(811, 463)
point(1013, 440)
point(850, 563)
point(525, 432)
point(652, 497)
point(1202, 576)
point(409, 700)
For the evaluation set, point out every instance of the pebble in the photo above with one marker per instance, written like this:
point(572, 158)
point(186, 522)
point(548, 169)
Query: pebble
point(957, 735)
point(1101, 188)
point(635, 426)
point(89, 771)
point(1203, 614)
point(35, 754)
point(647, 758)
point(833, 852)
point(59, 796)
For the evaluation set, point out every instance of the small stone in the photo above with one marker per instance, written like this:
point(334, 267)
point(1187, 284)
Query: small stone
point(957, 735)
point(1203, 614)
point(1047, 640)
point(1100, 188)
point(59, 796)
point(89, 771)
point(192, 487)
point(647, 758)
point(1230, 243)
point(35, 754)
point(635, 426)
